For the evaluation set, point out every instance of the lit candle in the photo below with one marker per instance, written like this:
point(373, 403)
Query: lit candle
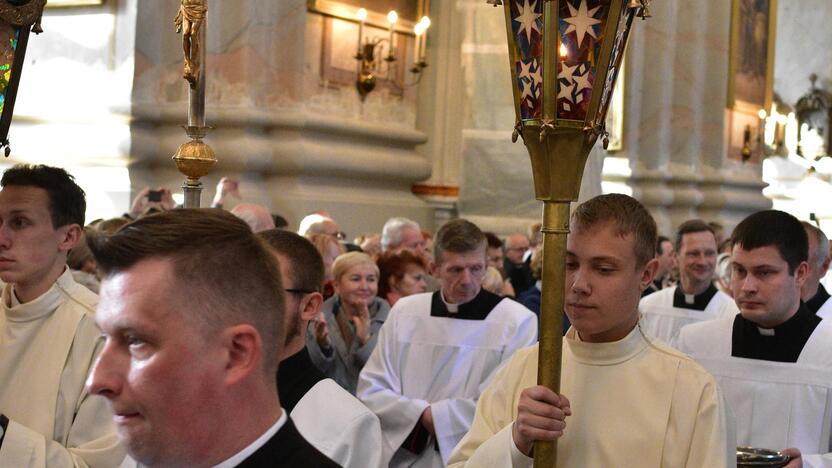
point(362, 17)
point(417, 46)
point(425, 22)
point(392, 18)
point(563, 51)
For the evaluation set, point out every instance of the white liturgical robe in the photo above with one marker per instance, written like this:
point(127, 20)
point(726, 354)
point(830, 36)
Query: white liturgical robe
point(425, 360)
point(47, 348)
point(662, 321)
point(775, 404)
point(825, 311)
point(339, 426)
point(634, 404)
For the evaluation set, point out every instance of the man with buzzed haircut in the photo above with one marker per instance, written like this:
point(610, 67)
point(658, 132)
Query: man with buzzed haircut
point(625, 400)
point(48, 337)
point(773, 360)
point(192, 312)
point(813, 293)
point(328, 416)
point(436, 350)
point(695, 298)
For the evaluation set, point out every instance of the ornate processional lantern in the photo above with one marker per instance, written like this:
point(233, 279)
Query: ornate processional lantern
point(17, 18)
point(564, 56)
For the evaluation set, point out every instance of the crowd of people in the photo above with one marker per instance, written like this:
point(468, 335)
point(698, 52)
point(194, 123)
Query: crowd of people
point(220, 337)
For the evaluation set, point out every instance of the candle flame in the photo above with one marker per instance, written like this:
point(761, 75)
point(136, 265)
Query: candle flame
point(762, 114)
point(392, 17)
point(362, 14)
point(563, 50)
point(425, 22)
point(419, 29)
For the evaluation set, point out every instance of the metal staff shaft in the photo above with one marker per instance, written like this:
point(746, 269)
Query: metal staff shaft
point(555, 229)
point(192, 188)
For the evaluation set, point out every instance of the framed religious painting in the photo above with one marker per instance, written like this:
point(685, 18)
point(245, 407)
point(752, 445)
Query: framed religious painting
point(751, 61)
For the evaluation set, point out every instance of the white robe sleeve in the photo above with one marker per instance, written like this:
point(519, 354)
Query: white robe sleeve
point(339, 426)
point(452, 418)
point(817, 461)
point(379, 387)
point(91, 443)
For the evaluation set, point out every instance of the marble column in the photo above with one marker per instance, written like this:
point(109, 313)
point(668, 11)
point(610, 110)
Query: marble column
point(675, 136)
point(297, 143)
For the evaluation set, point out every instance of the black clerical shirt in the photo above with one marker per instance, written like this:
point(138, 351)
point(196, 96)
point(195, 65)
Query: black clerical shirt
point(477, 308)
point(818, 300)
point(296, 375)
point(700, 301)
point(782, 343)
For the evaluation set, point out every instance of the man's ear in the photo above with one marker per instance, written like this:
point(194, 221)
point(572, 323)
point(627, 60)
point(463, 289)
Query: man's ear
point(244, 350)
point(801, 273)
point(310, 306)
point(69, 236)
point(648, 273)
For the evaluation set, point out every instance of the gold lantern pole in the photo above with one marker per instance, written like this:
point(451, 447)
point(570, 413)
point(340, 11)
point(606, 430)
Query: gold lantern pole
point(194, 158)
point(558, 146)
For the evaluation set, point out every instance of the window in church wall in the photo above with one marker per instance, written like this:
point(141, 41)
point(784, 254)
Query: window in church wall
point(72, 104)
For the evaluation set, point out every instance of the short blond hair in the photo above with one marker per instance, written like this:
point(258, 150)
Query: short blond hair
point(345, 262)
point(493, 281)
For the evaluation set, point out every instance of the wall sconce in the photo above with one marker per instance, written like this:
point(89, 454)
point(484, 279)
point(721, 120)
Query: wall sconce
point(371, 64)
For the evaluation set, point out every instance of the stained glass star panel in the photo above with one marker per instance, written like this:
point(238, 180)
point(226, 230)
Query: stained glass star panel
point(527, 44)
point(581, 31)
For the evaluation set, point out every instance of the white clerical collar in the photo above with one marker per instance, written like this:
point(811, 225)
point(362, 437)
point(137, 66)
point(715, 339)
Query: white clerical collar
point(766, 331)
point(606, 353)
point(452, 308)
point(690, 298)
point(261, 441)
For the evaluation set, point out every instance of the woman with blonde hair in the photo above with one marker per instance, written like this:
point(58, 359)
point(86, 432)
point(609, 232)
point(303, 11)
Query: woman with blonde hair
point(342, 338)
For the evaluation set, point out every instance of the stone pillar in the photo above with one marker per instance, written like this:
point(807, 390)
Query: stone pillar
point(298, 144)
point(675, 136)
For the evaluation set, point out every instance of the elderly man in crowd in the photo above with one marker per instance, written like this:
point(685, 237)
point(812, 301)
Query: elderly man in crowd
point(190, 356)
point(48, 338)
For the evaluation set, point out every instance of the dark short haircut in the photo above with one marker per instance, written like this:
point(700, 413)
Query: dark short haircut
point(458, 236)
point(659, 241)
point(628, 216)
point(223, 274)
point(777, 229)
point(393, 264)
point(494, 242)
point(691, 226)
point(67, 201)
point(305, 263)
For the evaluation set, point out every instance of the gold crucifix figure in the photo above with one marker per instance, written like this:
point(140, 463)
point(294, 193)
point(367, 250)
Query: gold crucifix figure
point(189, 21)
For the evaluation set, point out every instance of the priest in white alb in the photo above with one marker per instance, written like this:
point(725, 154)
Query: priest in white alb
point(436, 350)
point(626, 401)
point(695, 298)
point(48, 338)
point(774, 359)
